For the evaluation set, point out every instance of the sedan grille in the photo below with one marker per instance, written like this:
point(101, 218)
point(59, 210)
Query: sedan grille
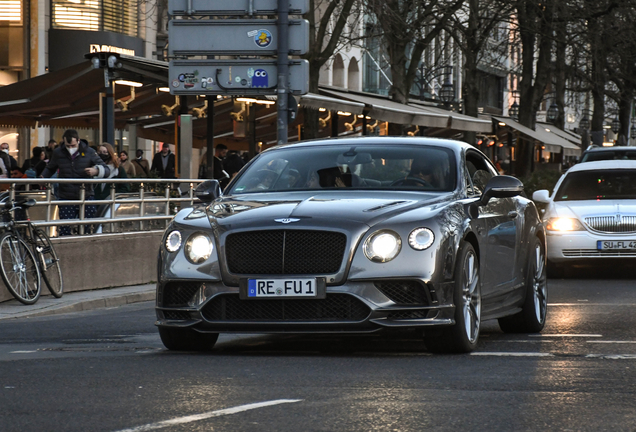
point(612, 224)
point(335, 307)
point(286, 252)
point(591, 253)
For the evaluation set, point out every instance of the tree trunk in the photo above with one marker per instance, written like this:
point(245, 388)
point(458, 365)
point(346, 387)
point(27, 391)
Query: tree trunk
point(311, 125)
point(535, 23)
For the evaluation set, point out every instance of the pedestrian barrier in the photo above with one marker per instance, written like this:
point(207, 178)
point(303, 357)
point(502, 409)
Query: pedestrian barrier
point(152, 205)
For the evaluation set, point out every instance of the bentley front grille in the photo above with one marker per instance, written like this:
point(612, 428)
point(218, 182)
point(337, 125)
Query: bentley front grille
point(336, 307)
point(178, 294)
point(612, 224)
point(406, 292)
point(288, 252)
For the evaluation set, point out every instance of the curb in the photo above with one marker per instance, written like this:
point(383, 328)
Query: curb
point(84, 305)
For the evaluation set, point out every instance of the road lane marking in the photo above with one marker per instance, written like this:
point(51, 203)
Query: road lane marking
point(613, 356)
point(591, 304)
point(564, 335)
point(22, 352)
point(207, 415)
point(613, 342)
point(513, 354)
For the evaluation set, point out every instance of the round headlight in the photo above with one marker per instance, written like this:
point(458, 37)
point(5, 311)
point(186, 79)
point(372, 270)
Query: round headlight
point(421, 238)
point(198, 248)
point(382, 246)
point(173, 241)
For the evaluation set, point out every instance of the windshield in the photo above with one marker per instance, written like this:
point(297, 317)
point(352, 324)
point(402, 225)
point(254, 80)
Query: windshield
point(407, 167)
point(598, 185)
point(609, 155)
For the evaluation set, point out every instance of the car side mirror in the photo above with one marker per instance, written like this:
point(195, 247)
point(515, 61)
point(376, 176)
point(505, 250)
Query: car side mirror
point(208, 191)
point(501, 186)
point(541, 196)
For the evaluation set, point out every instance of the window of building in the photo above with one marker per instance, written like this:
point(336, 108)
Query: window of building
point(118, 16)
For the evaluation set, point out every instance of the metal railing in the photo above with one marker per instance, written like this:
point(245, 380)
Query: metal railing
point(175, 192)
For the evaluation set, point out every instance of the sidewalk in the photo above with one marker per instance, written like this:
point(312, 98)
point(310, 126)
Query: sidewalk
point(78, 301)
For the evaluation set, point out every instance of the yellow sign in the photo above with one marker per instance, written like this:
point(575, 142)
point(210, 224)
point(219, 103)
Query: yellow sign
point(95, 48)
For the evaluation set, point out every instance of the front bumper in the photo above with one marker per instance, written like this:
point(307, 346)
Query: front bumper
point(582, 245)
point(356, 306)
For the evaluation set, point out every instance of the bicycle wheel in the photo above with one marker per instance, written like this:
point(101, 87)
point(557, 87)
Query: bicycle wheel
point(19, 269)
point(49, 262)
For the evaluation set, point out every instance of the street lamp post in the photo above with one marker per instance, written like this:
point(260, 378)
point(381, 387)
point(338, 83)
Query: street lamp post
point(447, 90)
point(553, 113)
point(616, 125)
point(513, 111)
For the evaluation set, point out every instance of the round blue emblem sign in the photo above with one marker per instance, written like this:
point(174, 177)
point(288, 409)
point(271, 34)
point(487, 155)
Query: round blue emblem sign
point(263, 38)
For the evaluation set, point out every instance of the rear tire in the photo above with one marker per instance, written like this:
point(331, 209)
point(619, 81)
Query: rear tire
point(532, 317)
point(49, 263)
point(187, 339)
point(19, 269)
point(464, 335)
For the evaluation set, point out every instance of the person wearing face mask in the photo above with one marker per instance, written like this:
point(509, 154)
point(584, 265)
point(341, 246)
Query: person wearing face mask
point(107, 153)
point(4, 147)
point(75, 159)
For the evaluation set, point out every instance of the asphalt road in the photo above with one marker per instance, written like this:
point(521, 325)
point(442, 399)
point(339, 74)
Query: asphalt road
point(106, 370)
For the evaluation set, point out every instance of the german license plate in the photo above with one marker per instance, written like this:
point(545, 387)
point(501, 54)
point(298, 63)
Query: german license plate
point(281, 288)
point(616, 244)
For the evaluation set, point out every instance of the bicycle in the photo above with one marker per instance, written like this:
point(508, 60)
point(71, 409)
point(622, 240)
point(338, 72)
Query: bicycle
point(40, 246)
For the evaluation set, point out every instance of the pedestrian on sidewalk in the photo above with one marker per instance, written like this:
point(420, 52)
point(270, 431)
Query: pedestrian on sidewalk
point(128, 166)
point(107, 154)
point(75, 159)
point(142, 168)
point(164, 163)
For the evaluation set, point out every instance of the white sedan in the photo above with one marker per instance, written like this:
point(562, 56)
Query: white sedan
point(591, 214)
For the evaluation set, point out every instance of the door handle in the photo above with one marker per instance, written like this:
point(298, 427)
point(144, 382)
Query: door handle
point(512, 214)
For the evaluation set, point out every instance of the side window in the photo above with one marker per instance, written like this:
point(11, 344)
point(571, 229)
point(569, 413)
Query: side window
point(479, 171)
point(470, 189)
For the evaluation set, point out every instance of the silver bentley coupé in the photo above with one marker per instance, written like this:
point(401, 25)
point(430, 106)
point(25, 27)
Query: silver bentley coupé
point(355, 235)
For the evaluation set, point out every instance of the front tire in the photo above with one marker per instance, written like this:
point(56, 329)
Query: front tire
point(464, 335)
point(49, 263)
point(186, 339)
point(532, 317)
point(19, 270)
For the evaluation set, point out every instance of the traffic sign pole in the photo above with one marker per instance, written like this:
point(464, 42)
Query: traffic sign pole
point(283, 70)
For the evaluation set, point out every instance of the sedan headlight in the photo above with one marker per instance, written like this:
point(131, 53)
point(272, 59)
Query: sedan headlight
point(563, 224)
point(173, 241)
point(382, 246)
point(421, 238)
point(198, 248)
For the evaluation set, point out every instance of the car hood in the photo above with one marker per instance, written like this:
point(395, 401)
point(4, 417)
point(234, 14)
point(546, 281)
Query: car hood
point(583, 209)
point(319, 209)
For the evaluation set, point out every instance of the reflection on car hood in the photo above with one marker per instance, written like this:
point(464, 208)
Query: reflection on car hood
point(583, 209)
point(327, 208)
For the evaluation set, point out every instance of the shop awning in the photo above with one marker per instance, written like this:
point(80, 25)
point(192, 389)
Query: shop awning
point(312, 100)
point(386, 110)
point(70, 97)
point(552, 142)
point(460, 122)
point(565, 134)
